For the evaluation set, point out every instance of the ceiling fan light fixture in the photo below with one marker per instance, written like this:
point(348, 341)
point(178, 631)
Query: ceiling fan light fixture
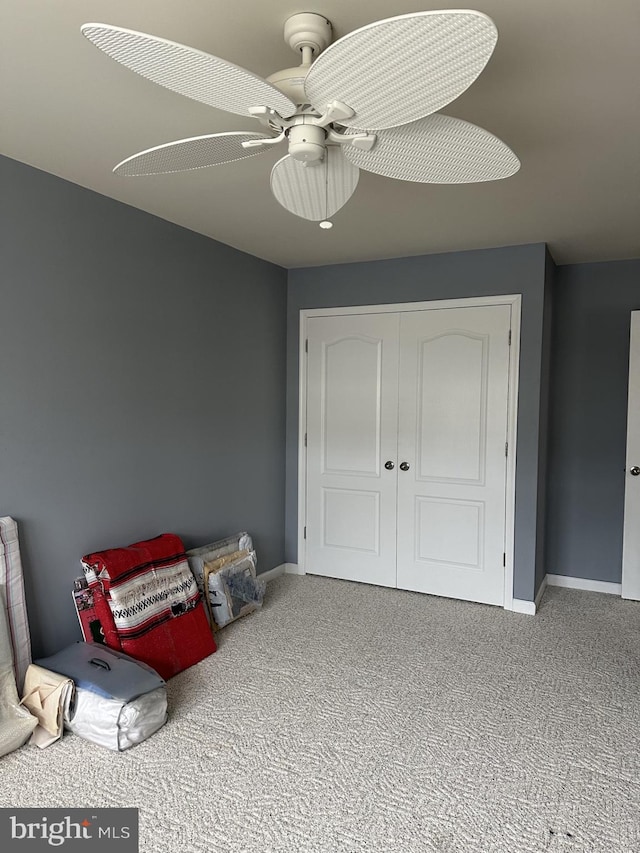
point(326, 224)
point(307, 143)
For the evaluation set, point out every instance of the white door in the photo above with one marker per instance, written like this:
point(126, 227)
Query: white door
point(352, 412)
point(424, 391)
point(631, 544)
point(452, 431)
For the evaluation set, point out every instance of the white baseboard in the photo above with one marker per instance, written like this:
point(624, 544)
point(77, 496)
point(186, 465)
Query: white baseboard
point(519, 605)
point(541, 591)
point(283, 568)
point(531, 607)
point(272, 573)
point(584, 584)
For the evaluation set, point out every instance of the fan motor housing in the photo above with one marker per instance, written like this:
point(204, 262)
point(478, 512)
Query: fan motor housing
point(307, 143)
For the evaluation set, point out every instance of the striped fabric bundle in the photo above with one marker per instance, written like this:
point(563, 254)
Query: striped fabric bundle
point(148, 603)
point(11, 578)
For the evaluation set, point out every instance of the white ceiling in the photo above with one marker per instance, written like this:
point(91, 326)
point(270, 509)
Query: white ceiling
point(562, 89)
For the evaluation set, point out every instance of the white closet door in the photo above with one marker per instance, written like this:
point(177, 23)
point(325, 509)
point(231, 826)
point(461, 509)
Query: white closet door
point(352, 409)
point(454, 370)
point(631, 539)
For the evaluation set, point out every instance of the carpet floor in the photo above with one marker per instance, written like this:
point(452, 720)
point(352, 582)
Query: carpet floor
point(344, 718)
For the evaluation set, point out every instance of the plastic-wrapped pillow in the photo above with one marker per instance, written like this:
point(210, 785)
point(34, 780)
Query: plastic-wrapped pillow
point(197, 557)
point(232, 588)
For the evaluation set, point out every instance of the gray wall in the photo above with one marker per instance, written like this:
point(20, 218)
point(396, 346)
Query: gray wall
point(518, 269)
point(587, 439)
point(141, 386)
point(545, 398)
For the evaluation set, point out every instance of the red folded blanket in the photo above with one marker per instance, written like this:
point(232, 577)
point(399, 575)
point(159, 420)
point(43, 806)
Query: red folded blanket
point(148, 603)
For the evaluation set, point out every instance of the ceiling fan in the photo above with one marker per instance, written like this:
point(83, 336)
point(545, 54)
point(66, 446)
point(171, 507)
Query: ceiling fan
point(366, 101)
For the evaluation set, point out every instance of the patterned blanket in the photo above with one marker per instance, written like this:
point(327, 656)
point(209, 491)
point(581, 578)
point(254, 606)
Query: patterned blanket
point(148, 603)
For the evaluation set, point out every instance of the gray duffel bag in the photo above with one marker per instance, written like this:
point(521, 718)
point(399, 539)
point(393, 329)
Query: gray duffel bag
point(118, 701)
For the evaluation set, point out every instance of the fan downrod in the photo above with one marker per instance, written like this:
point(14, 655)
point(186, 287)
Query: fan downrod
point(307, 34)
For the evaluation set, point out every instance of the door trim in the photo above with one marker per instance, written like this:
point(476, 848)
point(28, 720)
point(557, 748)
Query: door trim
point(515, 301)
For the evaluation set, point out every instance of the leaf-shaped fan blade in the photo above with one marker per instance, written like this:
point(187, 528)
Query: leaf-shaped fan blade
point(438, 149)
point(189, 72)
point(194, 153)
point(314, 192)
point(401, 69)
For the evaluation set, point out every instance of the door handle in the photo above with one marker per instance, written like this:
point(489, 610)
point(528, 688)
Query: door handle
point(404, 466)
point(635, 471)
point(389, 465)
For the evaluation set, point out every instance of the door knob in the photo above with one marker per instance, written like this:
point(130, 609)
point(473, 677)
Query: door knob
point(389, 465)
point(635, 471)
point(404, 466)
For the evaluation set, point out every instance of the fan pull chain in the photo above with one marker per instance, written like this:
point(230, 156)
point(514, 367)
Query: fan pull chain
point(325, 222)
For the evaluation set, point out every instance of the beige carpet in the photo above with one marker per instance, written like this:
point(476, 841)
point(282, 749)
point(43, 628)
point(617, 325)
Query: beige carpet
point(345, 717)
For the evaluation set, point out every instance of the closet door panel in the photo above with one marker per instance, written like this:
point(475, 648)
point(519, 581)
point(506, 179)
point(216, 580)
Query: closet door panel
point(454, 370)
point(352, 401)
